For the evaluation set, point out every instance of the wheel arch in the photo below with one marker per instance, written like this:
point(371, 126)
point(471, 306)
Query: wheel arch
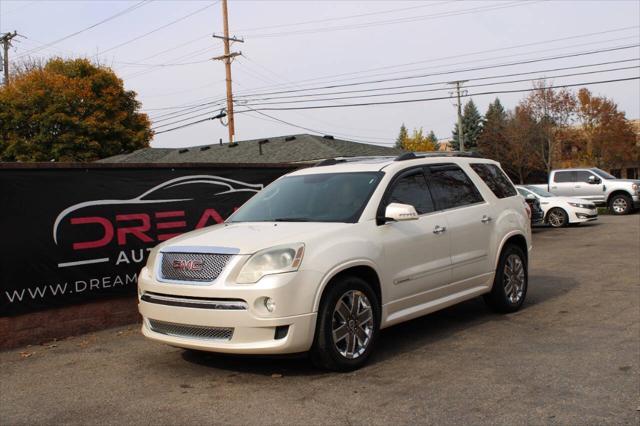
point(618, 192)
point(546, 215)
point(360, 268)
point(516, 239)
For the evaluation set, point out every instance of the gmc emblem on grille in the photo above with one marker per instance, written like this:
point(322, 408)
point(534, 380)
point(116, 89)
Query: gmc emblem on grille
point(188, 265)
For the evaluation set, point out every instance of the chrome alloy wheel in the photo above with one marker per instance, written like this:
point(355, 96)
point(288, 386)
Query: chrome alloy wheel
point(619, 205)
point(556, 218)
point(514, 279)
point(352, 325)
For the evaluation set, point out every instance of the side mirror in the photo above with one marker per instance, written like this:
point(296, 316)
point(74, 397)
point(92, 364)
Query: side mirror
point(530, 197)
point(400, 212)
point(592, 180)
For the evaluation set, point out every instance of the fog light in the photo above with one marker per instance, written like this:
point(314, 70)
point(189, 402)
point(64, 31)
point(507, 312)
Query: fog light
point(270, 304)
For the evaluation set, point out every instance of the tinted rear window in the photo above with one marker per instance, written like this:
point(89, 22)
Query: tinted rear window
point(495, 179)
point(564, 177)
point(451, 187)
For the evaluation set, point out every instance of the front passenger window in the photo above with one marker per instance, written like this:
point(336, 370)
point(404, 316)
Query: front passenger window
point(412, 189)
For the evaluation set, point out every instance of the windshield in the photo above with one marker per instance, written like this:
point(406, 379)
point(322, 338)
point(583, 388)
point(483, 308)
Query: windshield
point(539, 192)
point(329, 197)
point(602, 173)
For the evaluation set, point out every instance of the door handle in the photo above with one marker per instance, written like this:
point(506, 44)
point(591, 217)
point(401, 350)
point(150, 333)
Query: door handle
point(577, 186)
point(486, 219)
point(439, 229)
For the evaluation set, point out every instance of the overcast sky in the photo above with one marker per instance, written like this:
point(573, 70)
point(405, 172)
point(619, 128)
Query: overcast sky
point(161, 50)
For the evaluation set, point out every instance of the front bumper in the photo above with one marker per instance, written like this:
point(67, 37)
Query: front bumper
point(583, 215)
point(205, 308)
point(636, 201)
point(250, 335)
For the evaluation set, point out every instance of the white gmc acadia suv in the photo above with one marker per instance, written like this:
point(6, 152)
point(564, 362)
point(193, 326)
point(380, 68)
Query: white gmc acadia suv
point(324, 257)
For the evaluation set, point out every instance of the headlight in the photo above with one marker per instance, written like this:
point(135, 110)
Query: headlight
point(580, 206)
point(635, 187)
point(274, 260)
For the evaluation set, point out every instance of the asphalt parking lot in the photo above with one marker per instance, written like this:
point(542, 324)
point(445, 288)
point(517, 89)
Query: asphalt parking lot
point(571, 356)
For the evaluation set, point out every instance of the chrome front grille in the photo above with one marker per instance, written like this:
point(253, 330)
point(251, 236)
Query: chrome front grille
point(192, 266)
point(191, 331)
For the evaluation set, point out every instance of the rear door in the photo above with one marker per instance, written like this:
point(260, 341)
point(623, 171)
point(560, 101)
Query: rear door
point(470, 220)
point(563, 183)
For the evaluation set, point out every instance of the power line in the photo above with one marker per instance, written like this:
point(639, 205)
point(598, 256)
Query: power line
point(475, 53)
point(110, 18)
point(440, 89)
point(340, 18)
point(397, 20)
point(175, 21)
point(406, 86)
point(191, 124)
point(465, 94)
point(321, 132)
point(406, 101)
point(495, 92)
point(205, 106)
point(184, 119)
point(412, 77)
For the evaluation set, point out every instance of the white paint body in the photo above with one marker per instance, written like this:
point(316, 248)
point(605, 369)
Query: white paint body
point(575, 214)
point(419, 271)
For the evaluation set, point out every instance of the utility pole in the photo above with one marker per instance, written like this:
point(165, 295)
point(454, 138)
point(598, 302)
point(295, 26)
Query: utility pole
point(458, 83)
point(227, 58)
point(6, 43)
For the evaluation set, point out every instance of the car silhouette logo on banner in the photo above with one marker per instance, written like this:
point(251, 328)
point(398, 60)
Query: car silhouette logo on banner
point(91, 228)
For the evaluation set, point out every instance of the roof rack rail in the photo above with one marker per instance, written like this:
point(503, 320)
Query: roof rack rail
point(340, 160)
point(414, 155)
point(329, 162)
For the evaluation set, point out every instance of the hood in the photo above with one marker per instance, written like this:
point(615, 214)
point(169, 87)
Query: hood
point(250, 237)
point(574, 200)
point(625, 180)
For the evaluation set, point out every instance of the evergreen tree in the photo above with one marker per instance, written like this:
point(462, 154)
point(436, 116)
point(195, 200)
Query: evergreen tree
point(432, 138)
point(492, 139)
point(402, 136)
point(471, 128)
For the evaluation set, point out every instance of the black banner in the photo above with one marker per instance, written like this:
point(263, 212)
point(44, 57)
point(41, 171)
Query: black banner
point(73, 235)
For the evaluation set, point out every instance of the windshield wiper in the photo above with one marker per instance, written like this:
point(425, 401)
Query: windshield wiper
point(291, 219)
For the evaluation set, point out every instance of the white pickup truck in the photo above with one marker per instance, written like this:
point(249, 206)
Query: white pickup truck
point(598, 186)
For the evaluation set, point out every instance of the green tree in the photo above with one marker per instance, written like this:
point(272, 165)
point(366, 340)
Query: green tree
point(492, 139)
point(432, 138)
point(69, 110)
point(402, 136)
point(471, 128)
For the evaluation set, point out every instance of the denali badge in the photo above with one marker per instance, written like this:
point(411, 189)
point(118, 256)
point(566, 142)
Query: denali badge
point(188, 265)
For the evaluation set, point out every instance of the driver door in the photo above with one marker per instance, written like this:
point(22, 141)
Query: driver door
point(593, 190)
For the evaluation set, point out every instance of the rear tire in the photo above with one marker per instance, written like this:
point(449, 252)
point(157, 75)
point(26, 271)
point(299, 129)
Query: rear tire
point(511, 281)
point(620, 204)
point(557, 218)
point(348, 325)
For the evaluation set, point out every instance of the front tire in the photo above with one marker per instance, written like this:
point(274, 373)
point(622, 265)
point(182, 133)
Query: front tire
point(511, 281)
point(620, 204)
point(557, 218)
point(348, 325)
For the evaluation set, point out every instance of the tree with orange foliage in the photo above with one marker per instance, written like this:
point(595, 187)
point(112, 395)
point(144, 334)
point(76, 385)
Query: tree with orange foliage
point(417, 142)
point(69, 110)
point(553, 111)
point(609, 137)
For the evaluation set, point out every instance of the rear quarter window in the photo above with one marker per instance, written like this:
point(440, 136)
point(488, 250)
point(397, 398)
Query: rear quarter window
point(495, 179)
